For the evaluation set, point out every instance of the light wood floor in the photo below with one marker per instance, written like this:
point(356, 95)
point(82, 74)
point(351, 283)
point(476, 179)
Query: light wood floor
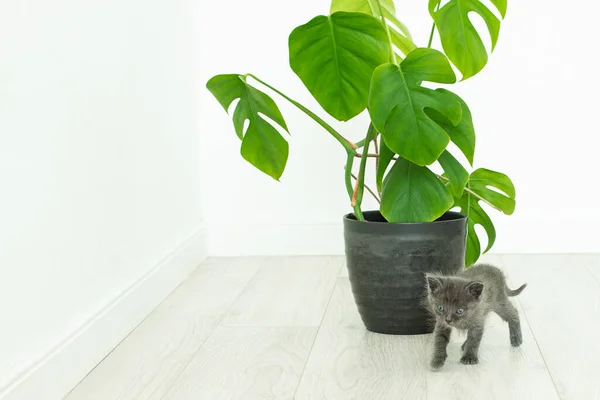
point(287, 328)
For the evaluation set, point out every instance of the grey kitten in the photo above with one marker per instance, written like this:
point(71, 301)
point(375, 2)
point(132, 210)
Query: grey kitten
point(463, 301)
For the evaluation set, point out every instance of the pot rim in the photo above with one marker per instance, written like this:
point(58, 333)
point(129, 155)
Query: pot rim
point(457, 216)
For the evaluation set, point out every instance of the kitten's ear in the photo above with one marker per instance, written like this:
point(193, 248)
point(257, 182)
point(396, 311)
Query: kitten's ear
point(475, 289)
point(434, 282)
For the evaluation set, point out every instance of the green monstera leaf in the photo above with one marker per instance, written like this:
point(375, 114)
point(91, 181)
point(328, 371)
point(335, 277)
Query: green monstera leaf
point(335, 56)
point(457, 175)
point(460, 40)
point(399, 33)
point(385, 158)
point(372, 7)
point(461, 134)
point(479, 183)
point(262, 145)
point(397, 104)
point(412, 193)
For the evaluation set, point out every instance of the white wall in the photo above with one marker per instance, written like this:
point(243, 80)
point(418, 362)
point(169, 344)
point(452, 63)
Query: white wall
point(533, 106)
point(98, 160)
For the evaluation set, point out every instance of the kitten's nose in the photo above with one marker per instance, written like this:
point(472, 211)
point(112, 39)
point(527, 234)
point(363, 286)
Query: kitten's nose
point(448, 319)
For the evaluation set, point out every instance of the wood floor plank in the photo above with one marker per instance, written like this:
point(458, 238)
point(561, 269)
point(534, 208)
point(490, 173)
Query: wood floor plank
point(342, 310)
point(348, 362)
point(262, 349)
point(288, 291)
point(503, 372)
point(147, 362)
point(562, 305)
point(248, 363)
point(344, 269)
point(592, 262)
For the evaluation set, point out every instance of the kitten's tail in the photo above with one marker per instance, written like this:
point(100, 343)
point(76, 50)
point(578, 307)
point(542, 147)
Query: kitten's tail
point(515, 292)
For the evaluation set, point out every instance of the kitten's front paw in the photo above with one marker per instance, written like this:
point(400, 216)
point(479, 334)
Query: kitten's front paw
point(516, 340)
point(469, 359)
point(438, 363)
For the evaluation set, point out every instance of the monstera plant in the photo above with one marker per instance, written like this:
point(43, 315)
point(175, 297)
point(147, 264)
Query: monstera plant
point(362, 58)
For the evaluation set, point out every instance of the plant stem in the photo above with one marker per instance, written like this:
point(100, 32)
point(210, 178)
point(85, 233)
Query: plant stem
point(357, 211)
point(376, 145)
point(431, 35)
point(437, 7)
point(472, 193)
point(369, 190)
point(348, 145)
point(348, 175)
point(389, 35)
point(357, 194)
point(371, 155)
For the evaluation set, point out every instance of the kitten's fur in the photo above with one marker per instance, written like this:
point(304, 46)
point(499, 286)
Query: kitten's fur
point(463, 301)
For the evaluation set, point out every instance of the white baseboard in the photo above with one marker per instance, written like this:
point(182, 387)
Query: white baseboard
point(57, 372)
point(516, 237)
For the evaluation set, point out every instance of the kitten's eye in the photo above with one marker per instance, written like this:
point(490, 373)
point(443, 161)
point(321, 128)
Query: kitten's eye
point(440, 308)
point(460, 311)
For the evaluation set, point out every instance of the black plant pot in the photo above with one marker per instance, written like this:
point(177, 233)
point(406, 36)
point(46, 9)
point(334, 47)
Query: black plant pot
point(387, 263)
